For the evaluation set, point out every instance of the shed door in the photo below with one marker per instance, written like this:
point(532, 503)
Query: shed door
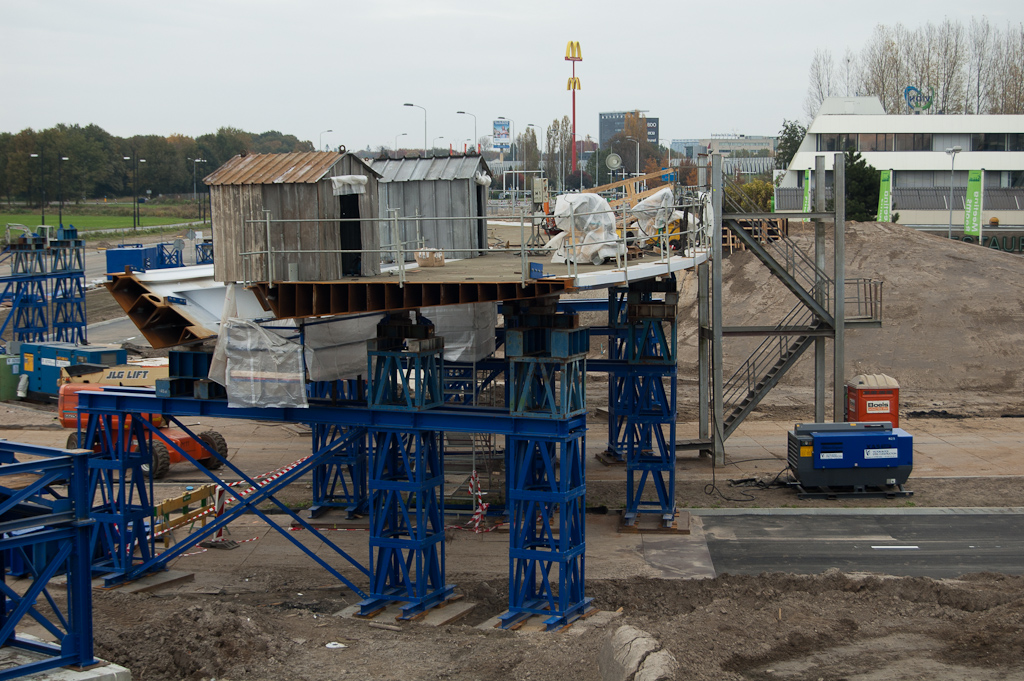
point(350, 239)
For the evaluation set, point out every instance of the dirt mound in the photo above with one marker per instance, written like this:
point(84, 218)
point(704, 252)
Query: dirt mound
point(952, 318)
point(828, 626)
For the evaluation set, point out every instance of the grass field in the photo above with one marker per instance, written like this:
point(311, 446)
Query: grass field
point(85, 223)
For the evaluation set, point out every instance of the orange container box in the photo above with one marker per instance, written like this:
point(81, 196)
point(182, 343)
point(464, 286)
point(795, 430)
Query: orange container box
point(873, 397)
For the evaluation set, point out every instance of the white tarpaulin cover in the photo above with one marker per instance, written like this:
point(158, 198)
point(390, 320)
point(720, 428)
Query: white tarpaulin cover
point(348, 184)
point(337, 350)
point(468, 330)
point(588, 226)
point(262, 369)
point(653, 213)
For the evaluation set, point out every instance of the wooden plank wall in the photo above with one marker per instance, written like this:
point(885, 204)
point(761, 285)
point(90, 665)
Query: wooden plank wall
point(230, 207)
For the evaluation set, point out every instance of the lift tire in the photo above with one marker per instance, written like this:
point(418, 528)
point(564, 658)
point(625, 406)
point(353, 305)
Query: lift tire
point(161, 460)
point(73, 441)
point(218, 444)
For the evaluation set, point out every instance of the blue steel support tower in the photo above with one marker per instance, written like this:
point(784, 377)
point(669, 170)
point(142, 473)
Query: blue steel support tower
point(547, 479)
point(648, 399)
point(339, 481)
point(406, 478)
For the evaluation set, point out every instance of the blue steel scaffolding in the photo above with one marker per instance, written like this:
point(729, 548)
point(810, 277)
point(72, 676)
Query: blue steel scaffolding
point(647, 399)
point(546, 487)
point(46, 288)
point(48, 534)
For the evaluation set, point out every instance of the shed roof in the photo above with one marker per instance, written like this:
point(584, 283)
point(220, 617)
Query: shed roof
point(295, 168)
point(429, 169)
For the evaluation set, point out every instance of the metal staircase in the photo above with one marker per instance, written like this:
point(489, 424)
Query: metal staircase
point(811, 317)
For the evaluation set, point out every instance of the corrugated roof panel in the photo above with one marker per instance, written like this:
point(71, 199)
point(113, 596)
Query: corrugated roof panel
point(294, 168)
point(429, 169)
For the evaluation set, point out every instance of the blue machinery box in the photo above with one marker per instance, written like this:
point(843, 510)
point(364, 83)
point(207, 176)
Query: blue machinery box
point(42, 362)
point(850, 454)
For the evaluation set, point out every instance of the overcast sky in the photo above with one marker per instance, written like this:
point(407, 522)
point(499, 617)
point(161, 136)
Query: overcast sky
point(303, 67)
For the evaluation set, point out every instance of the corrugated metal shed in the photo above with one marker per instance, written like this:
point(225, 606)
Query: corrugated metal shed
point(422, 189)
point(310, 226)
point(296, 168)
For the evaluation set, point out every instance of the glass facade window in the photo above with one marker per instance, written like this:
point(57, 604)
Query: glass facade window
point(988, 141)
point(1015, 141)
point(1017, 178)
point(834, 141)
point(875, 141)
point(919, 141)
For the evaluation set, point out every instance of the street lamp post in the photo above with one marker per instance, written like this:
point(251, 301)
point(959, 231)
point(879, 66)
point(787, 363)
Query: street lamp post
point(195, 192)
point(515, 178)
point(322, 139)
point(424, 125)
point(466, 113)
point(136, 214)
point(60, 191)
point(42, 189)
point(433, 143)
point(396, 142)
point(952, 151)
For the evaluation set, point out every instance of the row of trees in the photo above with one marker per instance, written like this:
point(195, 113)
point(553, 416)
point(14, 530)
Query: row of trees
point(95, 164)
point(978, 68)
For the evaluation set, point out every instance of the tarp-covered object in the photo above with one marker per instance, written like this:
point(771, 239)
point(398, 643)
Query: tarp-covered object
point(262, 369)
point(468, 330)
point(588, 226)
point(337, 350)
point(653, 214)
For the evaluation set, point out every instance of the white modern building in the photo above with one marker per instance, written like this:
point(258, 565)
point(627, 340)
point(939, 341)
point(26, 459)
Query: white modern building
point(915, 148)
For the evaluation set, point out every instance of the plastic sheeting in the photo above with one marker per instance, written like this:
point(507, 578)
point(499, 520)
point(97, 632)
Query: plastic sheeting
point(653, 214)
point(262, 369)
point(588, 226)
point(343, 185)
point(337, 350)
point(468, 330)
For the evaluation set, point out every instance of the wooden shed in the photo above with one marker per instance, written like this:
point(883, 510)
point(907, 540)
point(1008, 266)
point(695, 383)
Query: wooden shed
point(318, 206)
point(446, 188)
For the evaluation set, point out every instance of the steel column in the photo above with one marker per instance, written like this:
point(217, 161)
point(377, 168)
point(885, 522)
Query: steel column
point(718, 408)
point(821, 294)
point(839, 349)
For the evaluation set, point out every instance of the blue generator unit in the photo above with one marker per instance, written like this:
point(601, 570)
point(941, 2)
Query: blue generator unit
point(861, 459)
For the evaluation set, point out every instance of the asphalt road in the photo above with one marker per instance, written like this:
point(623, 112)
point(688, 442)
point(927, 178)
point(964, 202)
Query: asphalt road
point(940, 544)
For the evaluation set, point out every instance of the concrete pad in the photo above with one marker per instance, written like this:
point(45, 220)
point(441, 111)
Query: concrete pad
point(680, 556)
point(451, 611)
point(153, 582)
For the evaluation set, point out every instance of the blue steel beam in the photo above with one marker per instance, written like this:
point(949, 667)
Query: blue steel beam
point(463, 420)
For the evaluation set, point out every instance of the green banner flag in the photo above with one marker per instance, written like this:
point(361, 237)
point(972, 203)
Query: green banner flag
point(807, 191)
point(972, 204)
point(885, 198)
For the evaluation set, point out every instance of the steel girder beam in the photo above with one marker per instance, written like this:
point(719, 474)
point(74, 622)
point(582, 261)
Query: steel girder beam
point(57, 542)
point(462, 420)
point(547, 530)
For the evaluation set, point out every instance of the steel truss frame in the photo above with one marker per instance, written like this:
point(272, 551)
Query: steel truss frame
point(340, 480)
point(547, 491)
point(34, 517)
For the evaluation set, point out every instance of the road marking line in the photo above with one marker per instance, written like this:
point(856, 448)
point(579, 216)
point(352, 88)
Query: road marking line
point(879, 548)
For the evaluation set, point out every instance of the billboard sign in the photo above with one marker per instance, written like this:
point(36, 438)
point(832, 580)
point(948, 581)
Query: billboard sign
point(807, 191)
point(502, 137)
point(652, 130)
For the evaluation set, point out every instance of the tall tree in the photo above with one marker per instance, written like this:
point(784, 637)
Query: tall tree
point(980, 78)
point(790, 137)
point(822, 82)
